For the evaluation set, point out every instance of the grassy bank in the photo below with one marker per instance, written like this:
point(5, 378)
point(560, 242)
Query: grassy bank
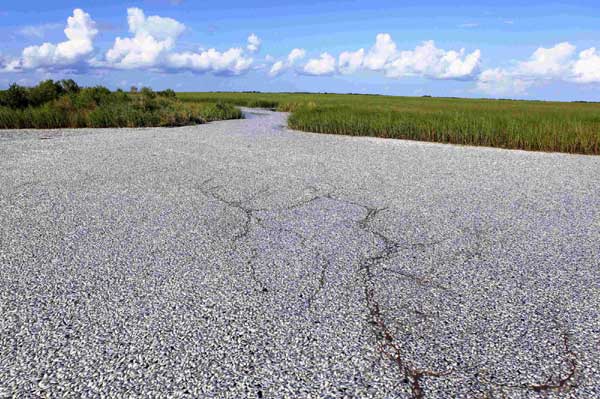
point(65, 105)
point(528, 125)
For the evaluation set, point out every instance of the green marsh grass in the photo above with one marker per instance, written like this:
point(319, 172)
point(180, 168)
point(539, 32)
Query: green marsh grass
point(526, 125)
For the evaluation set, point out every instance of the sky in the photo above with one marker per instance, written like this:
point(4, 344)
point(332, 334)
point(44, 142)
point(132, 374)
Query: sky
point(541, 50)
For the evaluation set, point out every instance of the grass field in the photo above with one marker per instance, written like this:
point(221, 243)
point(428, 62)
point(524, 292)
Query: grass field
point(527, 125)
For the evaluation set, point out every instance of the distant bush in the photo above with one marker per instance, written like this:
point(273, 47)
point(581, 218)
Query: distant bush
point(69, 86)
point(44, 92)
point(64, 104)
point(15, 97)
point(147, 93)
point(19, 97)
point(167, 93)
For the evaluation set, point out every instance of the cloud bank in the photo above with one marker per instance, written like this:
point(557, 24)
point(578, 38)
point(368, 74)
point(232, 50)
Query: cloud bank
point(558, 63)
point(426, 60)
point(324, 65)
point(152, 45)
point(154, 39)
point(281, 66)
point(80, 32)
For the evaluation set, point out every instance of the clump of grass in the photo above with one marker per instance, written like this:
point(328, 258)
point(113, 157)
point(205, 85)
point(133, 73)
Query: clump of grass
point(527, 125)
point(219, 111)
point(240, 101)
point(576, 132)
point(66, 105)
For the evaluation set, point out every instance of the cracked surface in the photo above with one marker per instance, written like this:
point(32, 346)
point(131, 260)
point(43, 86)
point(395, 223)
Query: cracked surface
point(240, 259)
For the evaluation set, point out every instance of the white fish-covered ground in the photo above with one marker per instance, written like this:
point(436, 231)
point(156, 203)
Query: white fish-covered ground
point(241, 259)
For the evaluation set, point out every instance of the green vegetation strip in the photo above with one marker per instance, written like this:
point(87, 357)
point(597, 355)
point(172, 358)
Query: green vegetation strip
point(66, 105)
point(526, 125)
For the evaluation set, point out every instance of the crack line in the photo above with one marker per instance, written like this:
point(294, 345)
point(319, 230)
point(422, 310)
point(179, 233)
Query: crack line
point(559, 383)
point(386, 341)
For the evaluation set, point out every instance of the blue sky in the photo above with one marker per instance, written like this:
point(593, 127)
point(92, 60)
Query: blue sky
point(542, 50)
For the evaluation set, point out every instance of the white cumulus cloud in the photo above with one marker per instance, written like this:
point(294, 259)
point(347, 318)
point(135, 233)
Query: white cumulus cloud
point(351, 61)
point(9, 65)
point(80, 32)
point(586, 68)
point(557, 63)
point(295, 55)
point(498, 81)
point(254, 43)
point(152, 46)
point(381, 53)
point(429, 61)
point(324, 65)
point(425, 60)
point(152, 37)
point(277, 68)
point(230, 62)
point(160, 28)
point(548, 62)
point(281, 66)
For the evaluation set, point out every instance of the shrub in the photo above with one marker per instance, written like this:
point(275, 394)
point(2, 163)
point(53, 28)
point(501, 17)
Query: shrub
point(64, 104)
point(44, 92)
point(92, 97)
point(147, 93)
point(167, 93)
point(15, 97)
point(69, 86)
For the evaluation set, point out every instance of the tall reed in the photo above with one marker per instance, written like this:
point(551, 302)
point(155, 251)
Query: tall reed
point(527, 125)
